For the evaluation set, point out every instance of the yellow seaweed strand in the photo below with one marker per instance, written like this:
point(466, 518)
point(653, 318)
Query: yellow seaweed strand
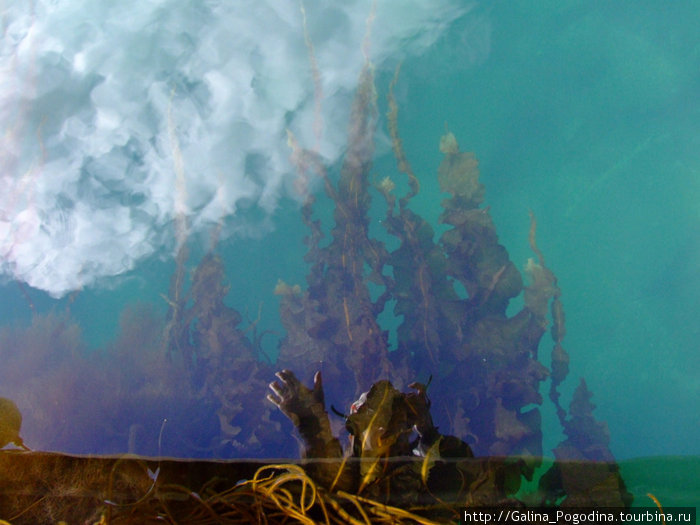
point(388, 512)
point(287, 502)
point(367, 478)
point(26, 509)
point(392, 116)
point(347, 518)
point(347, 317)
point(339, 473)
point(532, 238)
point(357, 505)
point(316, 75)
point(658, 504)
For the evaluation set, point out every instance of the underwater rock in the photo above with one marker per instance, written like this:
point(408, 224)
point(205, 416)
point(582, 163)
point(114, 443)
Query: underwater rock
point(10, 424)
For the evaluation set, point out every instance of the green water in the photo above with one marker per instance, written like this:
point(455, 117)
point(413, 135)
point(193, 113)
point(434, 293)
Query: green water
point(673, 480)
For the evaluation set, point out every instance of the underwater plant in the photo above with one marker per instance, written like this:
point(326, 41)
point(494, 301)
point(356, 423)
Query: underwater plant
point(483, 362)
point(451, 295)
point(201, 369)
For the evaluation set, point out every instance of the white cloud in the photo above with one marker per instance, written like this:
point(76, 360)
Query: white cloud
point(86, 157)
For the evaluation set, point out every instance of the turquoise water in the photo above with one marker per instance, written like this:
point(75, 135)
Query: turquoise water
point(585, 113)
point(588, 117)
